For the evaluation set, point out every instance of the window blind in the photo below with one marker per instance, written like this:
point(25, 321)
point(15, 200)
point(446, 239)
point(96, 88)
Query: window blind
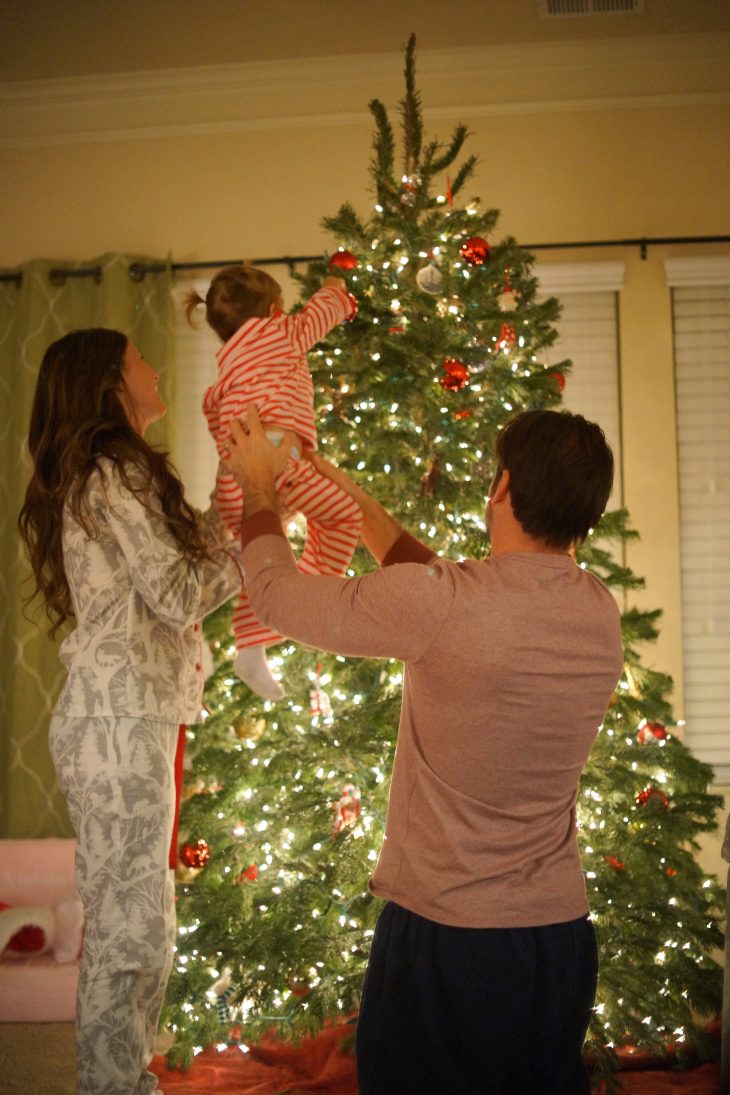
point(589, 337)
point(194, 349)
point(701, 322)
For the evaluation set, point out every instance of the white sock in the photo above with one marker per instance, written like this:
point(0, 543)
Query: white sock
point(251, 667)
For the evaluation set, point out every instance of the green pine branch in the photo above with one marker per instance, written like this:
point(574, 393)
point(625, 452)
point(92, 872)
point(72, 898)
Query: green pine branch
point(411, 114)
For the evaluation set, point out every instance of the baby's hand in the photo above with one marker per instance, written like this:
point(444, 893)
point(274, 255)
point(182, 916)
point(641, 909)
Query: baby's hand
point(338, 283)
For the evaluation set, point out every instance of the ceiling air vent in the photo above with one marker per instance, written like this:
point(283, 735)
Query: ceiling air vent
point(556, 9)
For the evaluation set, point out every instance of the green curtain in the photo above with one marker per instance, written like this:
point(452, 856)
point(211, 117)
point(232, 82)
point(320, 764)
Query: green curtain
point(33, 313)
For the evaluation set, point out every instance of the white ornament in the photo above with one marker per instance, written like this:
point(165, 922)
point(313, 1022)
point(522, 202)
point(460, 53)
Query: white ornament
point(429, 279)
point(411, 184)
point(507, 301)
point(319, 704)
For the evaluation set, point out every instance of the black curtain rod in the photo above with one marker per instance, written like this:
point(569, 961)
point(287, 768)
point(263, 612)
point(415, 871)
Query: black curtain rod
point(138, 271)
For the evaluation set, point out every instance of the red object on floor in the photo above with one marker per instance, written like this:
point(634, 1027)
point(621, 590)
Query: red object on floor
point(316, 1064)
point(703, 1080)
point(321, 1065)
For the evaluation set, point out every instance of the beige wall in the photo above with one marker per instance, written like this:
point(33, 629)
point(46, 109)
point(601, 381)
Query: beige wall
point(576, 141)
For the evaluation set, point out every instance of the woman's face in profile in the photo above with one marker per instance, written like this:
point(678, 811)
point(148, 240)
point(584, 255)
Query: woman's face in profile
point(138, 393)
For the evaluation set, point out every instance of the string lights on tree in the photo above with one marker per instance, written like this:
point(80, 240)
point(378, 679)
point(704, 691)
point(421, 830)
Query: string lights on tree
point(449, 339)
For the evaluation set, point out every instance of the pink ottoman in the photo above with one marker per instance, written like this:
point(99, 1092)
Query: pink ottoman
point(37, 988)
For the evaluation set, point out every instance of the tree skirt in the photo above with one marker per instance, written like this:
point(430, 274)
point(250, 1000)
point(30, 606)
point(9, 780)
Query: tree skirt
point(316, 1064)
point(320, 1064)
point(703, 1080)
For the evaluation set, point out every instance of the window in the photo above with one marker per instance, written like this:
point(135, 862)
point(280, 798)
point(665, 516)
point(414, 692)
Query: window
point(588, 336)
point(193, 451)
point(701, 320)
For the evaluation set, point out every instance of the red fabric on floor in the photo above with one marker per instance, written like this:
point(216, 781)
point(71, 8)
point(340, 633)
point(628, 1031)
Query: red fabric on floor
point(316, 1064)
point(703, 1080)
point(321, 1065)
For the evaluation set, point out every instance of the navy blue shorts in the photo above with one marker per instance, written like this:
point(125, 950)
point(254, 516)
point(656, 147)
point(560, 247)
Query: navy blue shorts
point(466, 1011)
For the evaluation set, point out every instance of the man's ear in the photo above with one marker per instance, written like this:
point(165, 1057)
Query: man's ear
point(501, 488)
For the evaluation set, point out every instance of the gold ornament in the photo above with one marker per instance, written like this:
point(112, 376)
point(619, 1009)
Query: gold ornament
point(250, 729)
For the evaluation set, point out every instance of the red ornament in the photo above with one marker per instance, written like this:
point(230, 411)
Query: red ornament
point(299, 986)
point(347, 810)
point(671, 872)
point(559, 381)
point(456, 375)
point(614, 862)
point(194, 855)
point(507, 336)
point(462, 414)
point(651, 731)
point(342, 260)
point(652, 795)
point(475, 251)
point(250, 874)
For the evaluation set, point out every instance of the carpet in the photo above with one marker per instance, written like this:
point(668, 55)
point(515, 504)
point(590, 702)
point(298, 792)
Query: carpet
point(37, 1059)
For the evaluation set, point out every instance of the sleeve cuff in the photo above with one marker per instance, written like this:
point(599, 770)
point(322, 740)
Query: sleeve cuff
point(234, 556)
point(349, 299)
point(407, 549)
point(263, 523)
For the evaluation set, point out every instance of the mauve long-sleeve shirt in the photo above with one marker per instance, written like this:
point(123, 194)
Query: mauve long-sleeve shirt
point(509, 665)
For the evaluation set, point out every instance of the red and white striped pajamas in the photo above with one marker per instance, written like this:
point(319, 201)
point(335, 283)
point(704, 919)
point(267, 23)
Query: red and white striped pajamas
point(264, 364)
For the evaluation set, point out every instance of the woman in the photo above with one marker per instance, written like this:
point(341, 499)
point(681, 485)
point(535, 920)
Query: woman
point(114, 545)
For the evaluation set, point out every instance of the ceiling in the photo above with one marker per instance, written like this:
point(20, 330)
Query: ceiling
point(45, 39)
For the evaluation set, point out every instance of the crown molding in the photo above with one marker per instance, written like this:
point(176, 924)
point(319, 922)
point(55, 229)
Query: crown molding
point(612, 74)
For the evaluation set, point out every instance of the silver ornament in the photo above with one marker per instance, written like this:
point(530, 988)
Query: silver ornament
point(429, 279)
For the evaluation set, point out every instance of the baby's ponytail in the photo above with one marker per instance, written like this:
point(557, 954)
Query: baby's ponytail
point(191, 300)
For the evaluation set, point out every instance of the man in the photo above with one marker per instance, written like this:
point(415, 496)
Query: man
point(483, 966)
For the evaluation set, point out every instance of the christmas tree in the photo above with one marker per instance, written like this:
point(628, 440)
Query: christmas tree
point(284, 804)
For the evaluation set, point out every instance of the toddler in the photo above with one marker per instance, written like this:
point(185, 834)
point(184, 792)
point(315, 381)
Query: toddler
point(263, 362)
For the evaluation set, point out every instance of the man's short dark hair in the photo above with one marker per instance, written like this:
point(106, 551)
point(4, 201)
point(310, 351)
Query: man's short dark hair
point(561, 473)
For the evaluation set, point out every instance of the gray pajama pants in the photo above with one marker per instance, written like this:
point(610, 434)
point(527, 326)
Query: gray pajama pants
point(118, 778)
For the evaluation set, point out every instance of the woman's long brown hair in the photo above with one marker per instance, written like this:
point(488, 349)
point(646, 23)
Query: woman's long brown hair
point(76, 419)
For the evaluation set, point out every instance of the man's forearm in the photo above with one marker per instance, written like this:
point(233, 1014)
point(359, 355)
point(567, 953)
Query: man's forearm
point(259, 494)
point(379, 530)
